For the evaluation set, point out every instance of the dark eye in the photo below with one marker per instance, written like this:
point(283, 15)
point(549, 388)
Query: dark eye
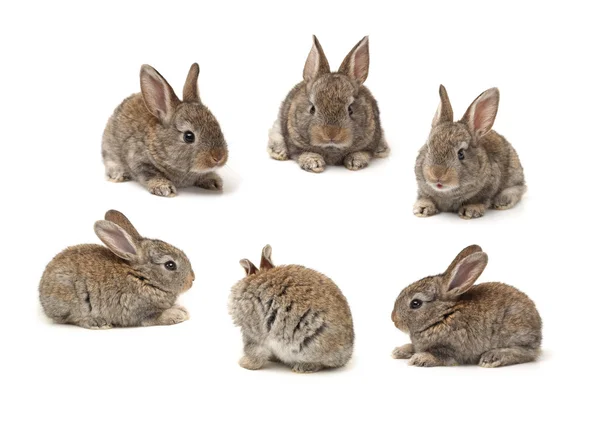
point(189, 137)
point(312, 109)
point(461, 154)
point(350, 110)
point(416, 303)
point(171, 266)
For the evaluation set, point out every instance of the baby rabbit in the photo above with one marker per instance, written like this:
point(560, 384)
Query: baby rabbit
point(465, 166)
point(162, 142)
point(133, 282)
point(291, 314)
point(451, 321)
point(330, 118)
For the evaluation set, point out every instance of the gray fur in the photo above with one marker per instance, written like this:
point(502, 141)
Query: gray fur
point(125, 284)
point(291, 314)
point(490, 324)
point(489, 176)
point(330, 135)
point(144, 138)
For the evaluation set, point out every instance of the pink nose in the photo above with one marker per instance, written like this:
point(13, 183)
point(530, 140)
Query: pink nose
point(218, 157)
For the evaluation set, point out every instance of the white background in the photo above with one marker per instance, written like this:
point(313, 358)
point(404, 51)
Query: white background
point(64, 69)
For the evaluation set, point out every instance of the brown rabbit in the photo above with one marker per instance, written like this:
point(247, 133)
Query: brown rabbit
point(330, 118)
point(465, 166)
point(162, 142)
point(452, 321)
point(291, 314)
point(133, 281)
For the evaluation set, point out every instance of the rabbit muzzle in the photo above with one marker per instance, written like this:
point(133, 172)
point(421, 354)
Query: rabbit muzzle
point(441, 178)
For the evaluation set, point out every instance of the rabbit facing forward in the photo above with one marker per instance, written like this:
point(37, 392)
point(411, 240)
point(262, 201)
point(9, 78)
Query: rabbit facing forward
point(465, 166)
point(330, 118)
point(163, 142)
point(133, 281)
point(291, 314)
point(452, 321)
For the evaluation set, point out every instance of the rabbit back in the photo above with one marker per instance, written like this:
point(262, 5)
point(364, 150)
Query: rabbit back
point(298, 314)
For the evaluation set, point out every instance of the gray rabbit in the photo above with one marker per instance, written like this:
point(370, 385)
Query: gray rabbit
point(291, 314)
point(133, 281)
point(452, 321)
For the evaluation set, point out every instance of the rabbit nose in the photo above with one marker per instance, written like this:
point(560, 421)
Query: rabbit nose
point(332, 132)
point(193, 276)
point(438, 172)
point(218, 157)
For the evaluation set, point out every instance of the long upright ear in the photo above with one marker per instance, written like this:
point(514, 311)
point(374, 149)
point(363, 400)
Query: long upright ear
point(248, 267)
point(444, 112)
point(119, 219)
point(467, 251)
point(316, 63)
point(481, 114)
point(265, 260)
point(158, 95)
point(356, 63)
point(190, 89)
point(117, 240)
point(464, 274)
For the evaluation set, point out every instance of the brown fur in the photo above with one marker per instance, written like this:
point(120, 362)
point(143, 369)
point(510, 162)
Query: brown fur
point(490, 324)
point(293, 315)
point(489, 175)
point(126, 284)
point(330, 118)
point(144, 139)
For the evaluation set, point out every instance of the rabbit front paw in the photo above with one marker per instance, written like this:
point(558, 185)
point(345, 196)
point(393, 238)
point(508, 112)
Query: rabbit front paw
point(304, 368)
point(424, 208)
point(173, 316)
point(251, 363)
point(161, 187)
point(424, 359)
point(210, 181)
point(356, 161)
point(312, 162)
point(470, 211)
point(403, 352)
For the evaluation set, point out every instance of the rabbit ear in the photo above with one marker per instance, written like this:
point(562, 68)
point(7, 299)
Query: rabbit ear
point(265, 260)
point(467, 251)
point(444, 112)
point(481, 114)
point(117, 240)
point(248, 267)
point(119, 219)
point(158, 95)
point(464, 274)
point(316, 63)
point(356, 63)
point(190, 89)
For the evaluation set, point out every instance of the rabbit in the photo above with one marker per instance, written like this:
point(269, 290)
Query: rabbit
point(291, 314)
point(133, 281)
point(162, 142)
point(451, 321)
point(330, 118)
point(465, 166)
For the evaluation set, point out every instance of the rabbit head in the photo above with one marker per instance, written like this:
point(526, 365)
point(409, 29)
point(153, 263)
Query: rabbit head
point(266, 262)
point(158, 263)
point(424, 303)
point(332, 112)
point(453, 155)
point(186, 136)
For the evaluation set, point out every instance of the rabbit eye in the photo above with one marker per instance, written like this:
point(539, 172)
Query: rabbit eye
point(312, 109)
point(415, 303)
point(171, 266)
point(350, 110)
point(189, 137)
point(461, 154)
